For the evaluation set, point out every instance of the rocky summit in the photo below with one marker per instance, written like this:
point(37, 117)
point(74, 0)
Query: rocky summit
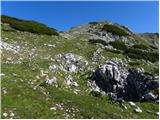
point(96, 70)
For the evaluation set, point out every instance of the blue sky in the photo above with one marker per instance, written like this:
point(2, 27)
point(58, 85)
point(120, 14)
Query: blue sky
point(138, 16)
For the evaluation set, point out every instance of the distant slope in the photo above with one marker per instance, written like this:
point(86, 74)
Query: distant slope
point(28, 25)
point(150, 36)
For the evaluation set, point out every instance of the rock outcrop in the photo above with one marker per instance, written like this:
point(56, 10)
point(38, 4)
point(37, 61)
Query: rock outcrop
point(71, 62)
point(130, 84)
point(9, 47)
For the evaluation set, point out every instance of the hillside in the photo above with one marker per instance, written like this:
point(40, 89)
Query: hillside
point(96, 70)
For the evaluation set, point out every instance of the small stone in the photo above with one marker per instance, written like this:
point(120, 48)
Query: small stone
point(37, 77)
point(2, 74)
point(72, 68)
point(12, 114)
point(132, 103)
point(53, 108)
point(157, 113)
point(75, 92)
point(51, 81)
point(4, 92)
point(138, 110)
point(124, 106)
point(14, 74)
point(52, 67)
point(149, 97)
point(75, 84)
point(49, 45)
point(5, 114)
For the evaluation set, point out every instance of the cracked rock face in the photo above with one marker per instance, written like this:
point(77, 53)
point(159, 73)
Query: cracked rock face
point(109, 77)
point(132, 84)
point(138, 84)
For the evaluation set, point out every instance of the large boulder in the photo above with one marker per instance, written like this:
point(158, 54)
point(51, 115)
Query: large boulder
point(130, 84)
point(110, 77)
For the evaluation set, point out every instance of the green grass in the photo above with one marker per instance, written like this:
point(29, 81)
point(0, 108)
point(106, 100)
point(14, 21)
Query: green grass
point(30, 103)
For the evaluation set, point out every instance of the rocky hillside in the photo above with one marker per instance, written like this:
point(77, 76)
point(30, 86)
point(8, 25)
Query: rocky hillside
point(96, 70)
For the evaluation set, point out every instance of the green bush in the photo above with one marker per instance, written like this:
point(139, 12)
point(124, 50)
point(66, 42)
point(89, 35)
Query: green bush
point(134, 63)
point(126, 28)
point(120, 45)
point(93, 23)
point(98, 41)
point(135, 53)
point(156, 70)
point(95, 94)
point(114, 51)
point(115, 30)
point(141, 46)
point(29, 26)
point(138, 54)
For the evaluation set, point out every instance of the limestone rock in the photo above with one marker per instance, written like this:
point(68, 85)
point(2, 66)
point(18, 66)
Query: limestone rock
point(71, 82)
point(149, 97)
point(132, 103)
point(130, 84)
point(71, 62)
point(10, 47)
point(51, 81)
point(138, 110)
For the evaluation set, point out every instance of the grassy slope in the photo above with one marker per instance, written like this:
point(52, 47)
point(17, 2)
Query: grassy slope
point(26, 102)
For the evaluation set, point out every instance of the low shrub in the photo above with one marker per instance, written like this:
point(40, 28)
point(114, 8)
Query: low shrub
point(156, 70)
point(134, 63)
point(95, 94)
point(114, 51)
point(138, 54)
point(120, 45)
point(93, 23)
point(29, 26)
point(115, 30)
point(135, 53)
point(141, 46)
point(98, 41)
point(126, 28)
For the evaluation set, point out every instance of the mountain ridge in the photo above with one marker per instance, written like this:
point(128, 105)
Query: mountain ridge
point(81, 73)
point(3, 17)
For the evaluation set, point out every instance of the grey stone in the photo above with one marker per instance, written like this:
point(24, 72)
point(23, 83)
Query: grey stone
point(132, 103)
point(71, 62)
point(149, 97)
point(138, 110)
point(51, 81)
point(10, 47)
point(129, 84)
point(71, 82)
point(124, 106)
